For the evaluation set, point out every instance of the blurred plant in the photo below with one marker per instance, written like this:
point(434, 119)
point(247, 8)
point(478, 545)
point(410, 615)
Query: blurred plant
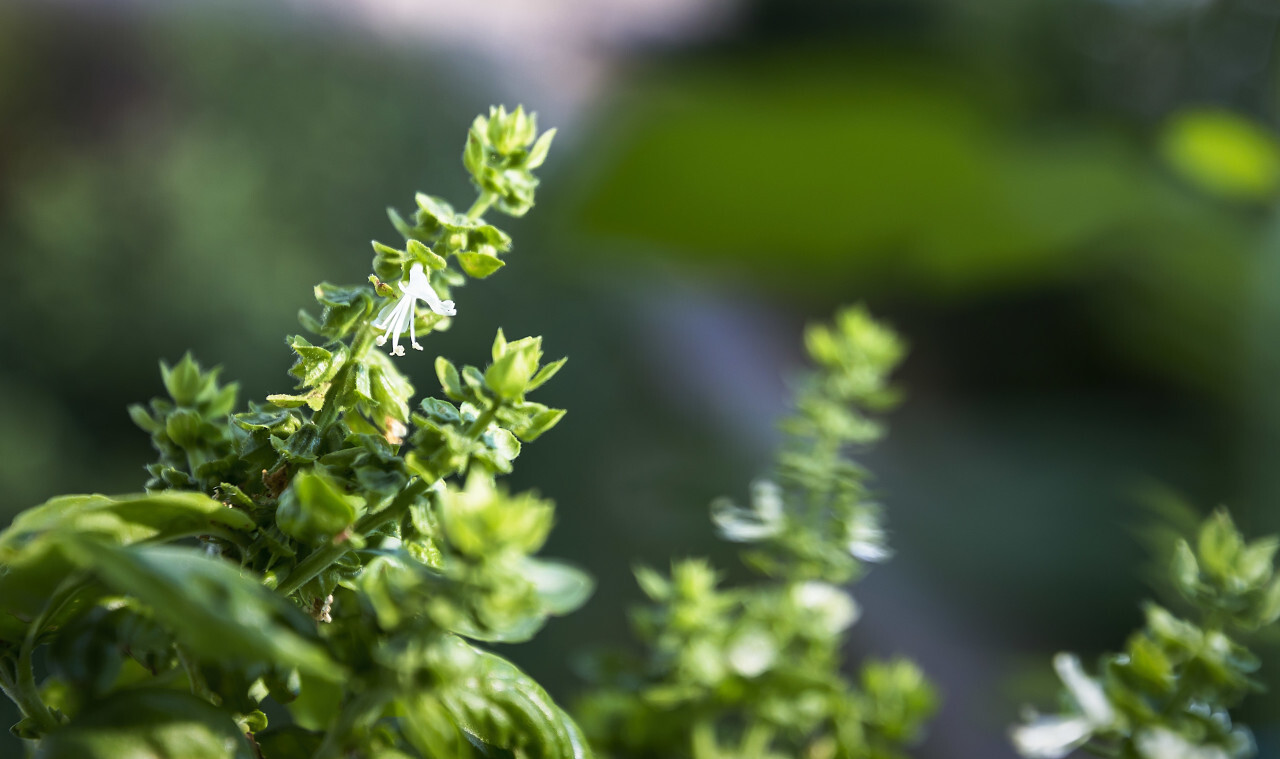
point(350, 549)
point(754, 672)
point(1168, 694)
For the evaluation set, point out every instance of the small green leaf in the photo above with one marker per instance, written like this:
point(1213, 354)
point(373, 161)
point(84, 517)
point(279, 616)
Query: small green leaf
point(450, 382)
point(654, 585)
point(561, 588)
point(182, 381)
point(1254, 566)
point(314, 509)
point(397, 221)
point(1219, 546)
point(424, 255)
point(1186, 571)
point(540, 423)
point(473, 154)
point(545, 373)
point(314, 364)
point(538, 153)
point(479, 265)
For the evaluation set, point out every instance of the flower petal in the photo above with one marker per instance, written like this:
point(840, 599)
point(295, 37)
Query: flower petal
point(1051, 737)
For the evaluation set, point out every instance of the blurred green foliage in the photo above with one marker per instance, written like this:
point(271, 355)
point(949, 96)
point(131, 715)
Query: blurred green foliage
point(1172, 690)
point(754, 671)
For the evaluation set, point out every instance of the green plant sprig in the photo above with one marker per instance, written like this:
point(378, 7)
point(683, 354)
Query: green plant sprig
point(754, 672)
point(1170, 692)
point(352, 551)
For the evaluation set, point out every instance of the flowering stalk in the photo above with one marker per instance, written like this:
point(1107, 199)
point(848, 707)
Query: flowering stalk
point(356, 551)
point(753, 672)
point(1170, 692)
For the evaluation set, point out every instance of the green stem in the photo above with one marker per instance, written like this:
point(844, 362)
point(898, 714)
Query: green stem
point(27, 698)
point(22, 688)
point(360, 345)
point(481, 205)
point(197, 682)
point(756, 742)
point(704, 740)
point(320, 559)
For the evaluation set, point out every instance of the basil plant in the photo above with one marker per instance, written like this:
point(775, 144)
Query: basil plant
point(338, 555)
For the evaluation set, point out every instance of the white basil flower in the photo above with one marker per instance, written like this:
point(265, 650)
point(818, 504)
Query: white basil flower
point(401, 315)
point(1162, 743)
point(1055, 736)
point(763, 520)
point(865, 538)
point(835, 608)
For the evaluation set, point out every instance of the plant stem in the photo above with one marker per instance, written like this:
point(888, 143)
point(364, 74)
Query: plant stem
point(756, 742)
point(22, 691)
point(704, 740)
point(197, 682)
point(481, 205)
point(320, 559)
point(22, 688)
point(328, 413)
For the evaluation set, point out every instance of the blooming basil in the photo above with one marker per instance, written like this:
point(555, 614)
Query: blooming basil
point(402, 315)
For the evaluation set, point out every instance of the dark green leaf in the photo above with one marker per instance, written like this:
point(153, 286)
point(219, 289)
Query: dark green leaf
point(150, 723)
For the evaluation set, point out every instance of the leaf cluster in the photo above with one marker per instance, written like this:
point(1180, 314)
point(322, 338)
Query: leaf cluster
point(1171, 690)
point(340, 550)
point(754, 671)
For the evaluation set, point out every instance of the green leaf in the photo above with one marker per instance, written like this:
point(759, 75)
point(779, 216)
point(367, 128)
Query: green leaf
point(1219, 546)
point(313, 399)
point(545, 373)
point(511, 371)
point(213, 610)
point(1254, 567)
point(479, 265)
point(402, 226)
point(1186, 571)
point(561, 588)
point(654, 585)
point(473, 154)
point(389, 388)
point(1269, 607)
point(151, 723)
point(312, 509)
point(440, 411)
point(435, 208)
point(473, 378)
point(314, 364)
point(450, 382)
point(121, 519)
point(1224, 153)
point(425, 255)
point(505, 708)
point(538, 153)
point(183, 381)
point(143, 419)
point(481, 519)
point(540, 422)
